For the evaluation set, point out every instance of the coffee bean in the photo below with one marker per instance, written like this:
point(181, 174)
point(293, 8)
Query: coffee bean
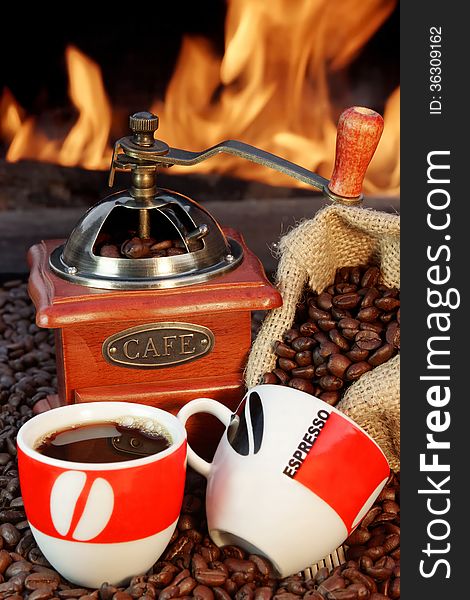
point(345, 288)
point(37, 580)
point(284, 351)
point(346, 301)
point(348, 323)
point(171, 591)
point(201, 592)
point(230, 587)
point(110, 251)
point(79, 592)
point(367, 340)
point(356, 370)
point(316, 313)
point(342, 274)
point(270, 378)
point(262, 593)
point(5, 560)
point(381, 355)
point(302, 384)
point(387, 303)
point(331, 398)
point(379, 573)
point(326, 324)
point(324, 301)
point(356, 354)
point(221, 594)
point(321, 337)
point(42, 593)
point(10, 587)
point(165, 576)
point(282, 376)
point(308, 329)
point(346, 594)
point(286, 364)
point(18, 567)
point(358, 537)
point(135, 248)
point(119, 595)
point(290, 336)
point(264, 566)
point(394, 590)
point(376, 326)
point(368, 314)
point(330, 383)
point(340, 313)
point(339, 340)
point(370, 277)
point(392, 334)
point(210, 577)
point(321, 370)
point(246, 592)
point(349, 334)
point(337, 364)
point(328, 348)
point(369, 295)
point(10, 534)
point(240, 565)
point(186, 586)
point(304, 358)
point(307, 372)
point(331, 584)
point(390, 506)
point(317, 359)
point(362, 593)
point(302, 343)
point(163, 245)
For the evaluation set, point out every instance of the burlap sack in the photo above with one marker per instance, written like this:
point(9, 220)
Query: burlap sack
point(339, 236)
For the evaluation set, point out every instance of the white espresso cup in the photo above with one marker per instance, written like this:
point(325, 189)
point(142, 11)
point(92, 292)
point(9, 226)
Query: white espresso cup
point(291, 477)
point(108, 521)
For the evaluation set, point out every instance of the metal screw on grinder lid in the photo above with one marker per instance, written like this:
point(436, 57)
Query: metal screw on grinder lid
point(143, 125)
point(144, 122)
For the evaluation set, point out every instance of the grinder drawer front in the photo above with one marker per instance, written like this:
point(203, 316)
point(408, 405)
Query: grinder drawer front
point(150, 352)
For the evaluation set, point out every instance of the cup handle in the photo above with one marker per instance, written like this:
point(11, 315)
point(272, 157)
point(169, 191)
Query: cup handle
point(203, 405)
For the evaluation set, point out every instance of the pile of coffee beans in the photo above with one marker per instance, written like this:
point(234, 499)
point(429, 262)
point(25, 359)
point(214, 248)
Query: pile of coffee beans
point(137, 247)
point(192, 565)
point(338, 335)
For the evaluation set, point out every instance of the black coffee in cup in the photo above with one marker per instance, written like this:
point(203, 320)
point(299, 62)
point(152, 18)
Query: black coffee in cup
point(103, 442)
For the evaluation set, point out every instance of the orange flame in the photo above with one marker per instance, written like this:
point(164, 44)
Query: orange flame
point(270, 88)
point(87, 142)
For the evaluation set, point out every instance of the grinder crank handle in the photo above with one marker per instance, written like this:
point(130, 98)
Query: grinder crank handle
point(359, 131)
point(358, 134)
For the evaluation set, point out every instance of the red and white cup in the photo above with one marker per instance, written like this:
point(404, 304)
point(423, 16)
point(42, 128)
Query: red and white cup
point(97, 522)
point(291, 477)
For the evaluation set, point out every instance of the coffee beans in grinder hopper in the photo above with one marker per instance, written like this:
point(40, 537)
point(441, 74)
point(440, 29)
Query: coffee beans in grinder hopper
point(352, 326)
point(192, 566)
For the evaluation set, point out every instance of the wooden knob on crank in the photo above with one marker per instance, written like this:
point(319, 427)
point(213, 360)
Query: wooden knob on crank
point(359, 131)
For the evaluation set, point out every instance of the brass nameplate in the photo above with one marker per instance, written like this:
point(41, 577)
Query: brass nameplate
point(158, 345)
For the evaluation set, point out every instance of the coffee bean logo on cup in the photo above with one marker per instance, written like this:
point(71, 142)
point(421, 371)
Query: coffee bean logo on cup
point(90, 519)
point(312, 472)
point(96, 513)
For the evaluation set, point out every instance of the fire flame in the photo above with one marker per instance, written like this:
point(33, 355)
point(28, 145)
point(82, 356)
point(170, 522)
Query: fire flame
point(87, 142)
point(270, 89)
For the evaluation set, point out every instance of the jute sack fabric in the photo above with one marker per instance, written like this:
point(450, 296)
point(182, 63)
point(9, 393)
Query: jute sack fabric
point(339, 236)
